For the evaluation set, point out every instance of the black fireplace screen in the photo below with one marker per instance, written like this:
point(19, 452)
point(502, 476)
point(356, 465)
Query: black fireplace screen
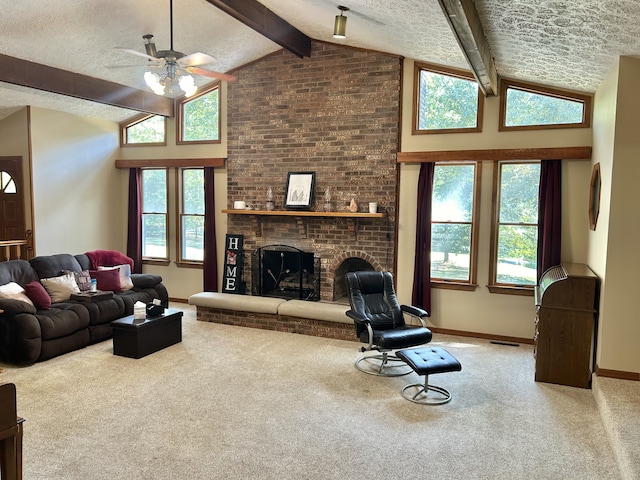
point(285, 272)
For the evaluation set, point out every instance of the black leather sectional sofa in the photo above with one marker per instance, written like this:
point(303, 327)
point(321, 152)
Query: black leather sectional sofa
point(29, 335)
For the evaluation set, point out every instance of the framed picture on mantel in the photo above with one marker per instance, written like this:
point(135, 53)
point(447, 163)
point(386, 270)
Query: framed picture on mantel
point(299, 191)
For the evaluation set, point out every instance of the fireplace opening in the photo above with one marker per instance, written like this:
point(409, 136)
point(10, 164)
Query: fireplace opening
point(286, 272)
point(352, 264)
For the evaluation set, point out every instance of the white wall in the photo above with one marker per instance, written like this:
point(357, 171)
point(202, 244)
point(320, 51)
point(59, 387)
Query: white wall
point(481, 311)
point(77, 193)
point(613, 247)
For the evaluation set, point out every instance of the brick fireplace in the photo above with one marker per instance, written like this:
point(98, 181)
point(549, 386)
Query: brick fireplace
point(336, 114)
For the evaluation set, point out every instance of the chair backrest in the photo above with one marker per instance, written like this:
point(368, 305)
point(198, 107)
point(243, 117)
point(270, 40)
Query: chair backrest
point(8, 413)
point(372, 294)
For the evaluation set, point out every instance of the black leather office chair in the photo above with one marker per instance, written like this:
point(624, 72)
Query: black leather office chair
point(380, 323)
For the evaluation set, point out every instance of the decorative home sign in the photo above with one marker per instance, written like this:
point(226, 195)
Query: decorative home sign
point(299, 192)
point(233, 262)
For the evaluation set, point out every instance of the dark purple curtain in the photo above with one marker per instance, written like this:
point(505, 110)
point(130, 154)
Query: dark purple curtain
point(134, 222)
point(549, 215)
point(422, 271)
point(210, 263)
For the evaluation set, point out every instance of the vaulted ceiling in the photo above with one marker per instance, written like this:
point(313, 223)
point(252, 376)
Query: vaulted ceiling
point(570, 45)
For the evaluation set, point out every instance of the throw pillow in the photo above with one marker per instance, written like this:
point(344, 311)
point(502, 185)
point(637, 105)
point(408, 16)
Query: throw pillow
point(38, 295)
point(108, 280)
point(83, 279)
point(125, 275)
point(14, 291)
point(60, 288)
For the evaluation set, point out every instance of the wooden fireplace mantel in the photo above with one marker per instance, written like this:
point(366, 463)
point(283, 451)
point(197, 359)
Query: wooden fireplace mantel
point(300, 216)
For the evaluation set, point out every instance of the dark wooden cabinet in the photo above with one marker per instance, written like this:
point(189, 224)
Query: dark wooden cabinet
point(566, 315)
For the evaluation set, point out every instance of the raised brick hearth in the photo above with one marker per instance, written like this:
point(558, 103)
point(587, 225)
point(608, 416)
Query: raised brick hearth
point(336, 114)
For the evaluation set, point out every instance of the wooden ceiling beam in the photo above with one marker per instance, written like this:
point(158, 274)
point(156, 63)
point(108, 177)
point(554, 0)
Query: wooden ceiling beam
point(497, 155)
point(50, 79)
point(258, 17)
point(465, 24)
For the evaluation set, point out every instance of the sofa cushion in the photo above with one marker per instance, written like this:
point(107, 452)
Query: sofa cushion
point(38, 295)
point(48, 266)
point(19, 271)
point(108, 280)
point(62, 320)
point(14, 291)
point(60, 288)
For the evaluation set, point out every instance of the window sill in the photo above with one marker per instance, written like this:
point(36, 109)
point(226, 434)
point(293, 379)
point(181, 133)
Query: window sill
point(511, 290)
point(452, 285)
point(187, 264)
point(155, 261)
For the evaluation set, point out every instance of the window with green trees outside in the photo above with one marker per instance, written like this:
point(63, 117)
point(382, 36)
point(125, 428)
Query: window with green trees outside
point(149, 129)
point(516, 228)
point(524, 106)
point(447, 101)
point(453, 257)
point(199, 117)
point(154, 213)
point(192, 215)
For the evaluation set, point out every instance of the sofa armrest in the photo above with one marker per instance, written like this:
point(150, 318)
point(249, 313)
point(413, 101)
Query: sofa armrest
point(145, 280)
point(11, 307)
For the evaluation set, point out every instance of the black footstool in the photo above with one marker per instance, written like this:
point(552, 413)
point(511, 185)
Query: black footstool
point(425, 361)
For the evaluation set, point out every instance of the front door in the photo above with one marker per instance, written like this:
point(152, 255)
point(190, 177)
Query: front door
point(12, 222)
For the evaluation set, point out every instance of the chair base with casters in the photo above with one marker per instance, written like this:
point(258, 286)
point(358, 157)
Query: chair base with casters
point(382, 365)
point(385, 363)
point(426, 361)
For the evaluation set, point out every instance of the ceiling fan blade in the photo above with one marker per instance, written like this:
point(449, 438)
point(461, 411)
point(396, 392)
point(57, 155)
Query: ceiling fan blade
point(197, 58)
point(143, 55)
point(209, 73)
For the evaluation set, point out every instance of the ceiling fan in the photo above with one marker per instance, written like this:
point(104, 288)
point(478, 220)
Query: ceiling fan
point(177, 65)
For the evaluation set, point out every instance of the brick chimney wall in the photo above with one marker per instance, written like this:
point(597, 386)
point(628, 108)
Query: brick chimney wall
point(335, 113)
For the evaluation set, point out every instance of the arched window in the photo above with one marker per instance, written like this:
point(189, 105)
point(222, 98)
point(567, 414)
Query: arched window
point(7, 184)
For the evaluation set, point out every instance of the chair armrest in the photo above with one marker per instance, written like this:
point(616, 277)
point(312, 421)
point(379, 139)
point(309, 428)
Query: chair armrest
point(11, 307)
point(357, 316)
point(416, 312)
point(145, 280)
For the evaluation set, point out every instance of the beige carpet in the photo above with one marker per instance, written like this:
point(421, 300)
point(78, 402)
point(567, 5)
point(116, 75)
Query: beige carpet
point(238, 403)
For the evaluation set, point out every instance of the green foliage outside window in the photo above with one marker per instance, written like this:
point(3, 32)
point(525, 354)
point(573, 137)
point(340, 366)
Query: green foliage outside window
point(518, 223)
point(154, 213)
point(528, 108)
point(451, 221)
point(201, 118)
point(446, 102)
point(193, 214)
point(151, 130)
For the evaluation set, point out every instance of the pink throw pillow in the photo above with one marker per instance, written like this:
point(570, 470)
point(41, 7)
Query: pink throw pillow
point(38, 295)
point(108, 280)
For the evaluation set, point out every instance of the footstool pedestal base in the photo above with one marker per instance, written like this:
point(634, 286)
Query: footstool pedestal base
point(426, 361)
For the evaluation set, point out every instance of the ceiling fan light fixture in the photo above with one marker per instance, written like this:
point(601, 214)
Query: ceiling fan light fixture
point(153, 82)
point(340, 25)
point(188, 85)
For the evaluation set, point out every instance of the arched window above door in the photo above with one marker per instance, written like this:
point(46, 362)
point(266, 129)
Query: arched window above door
point(7, 184)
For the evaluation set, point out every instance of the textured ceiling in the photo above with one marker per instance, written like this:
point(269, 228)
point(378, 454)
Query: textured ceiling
point(559, 43)
point(570, 44)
